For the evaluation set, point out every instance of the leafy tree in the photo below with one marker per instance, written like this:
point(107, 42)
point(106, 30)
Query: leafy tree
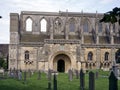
point(112, 16)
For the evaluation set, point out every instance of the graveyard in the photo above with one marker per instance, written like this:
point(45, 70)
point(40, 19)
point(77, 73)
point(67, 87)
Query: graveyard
point(64, 81)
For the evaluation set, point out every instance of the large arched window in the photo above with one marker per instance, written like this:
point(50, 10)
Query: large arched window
point(86, 26)
point(26, 55)
point(72, 25)
point(43, 24)
point(106, 56)
point(29, 24)
point(99, 27)
point(90, 56)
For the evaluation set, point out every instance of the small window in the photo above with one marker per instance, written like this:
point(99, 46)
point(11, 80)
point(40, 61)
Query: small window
point(106, 56)
point(28, 24)
point(86, 26)
point(26, 55)
point(90, 56)
point(43, 25)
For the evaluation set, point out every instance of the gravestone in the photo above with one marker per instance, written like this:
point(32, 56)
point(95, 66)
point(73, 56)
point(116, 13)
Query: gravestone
point(19, 75)
point(54, 82)
point(113, 81)
point(39, 75)
point(49, 75)
point(77, 74)
point(29, 73)
point(91, 81)
point(70, 75)
point(96, 75)
point(82, 80)
point(25, 76)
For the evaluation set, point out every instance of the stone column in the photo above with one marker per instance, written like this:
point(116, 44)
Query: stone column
point(51, 28)
point(112, 55)
point(111, 33)
point(98, 58)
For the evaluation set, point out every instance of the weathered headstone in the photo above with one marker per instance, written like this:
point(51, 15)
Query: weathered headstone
point(49, 75)
point(82, 80)
point(55, 82)
point(39, 75)
point(96, 75)
point(19, 75)
point(113, 82)
point(77, 74)
point(91, 81)
point(25, 76)
point(29, 73)
point(70, 75)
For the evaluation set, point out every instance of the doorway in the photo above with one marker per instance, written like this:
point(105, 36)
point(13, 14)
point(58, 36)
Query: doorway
point(61, 65)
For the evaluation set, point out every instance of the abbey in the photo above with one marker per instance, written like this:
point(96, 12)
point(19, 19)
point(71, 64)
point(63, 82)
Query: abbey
point(62, 40)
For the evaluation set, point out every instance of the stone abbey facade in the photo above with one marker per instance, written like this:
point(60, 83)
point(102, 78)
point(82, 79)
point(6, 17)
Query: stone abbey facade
point(62, 41)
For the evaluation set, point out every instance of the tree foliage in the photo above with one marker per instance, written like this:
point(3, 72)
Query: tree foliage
point(112, 16)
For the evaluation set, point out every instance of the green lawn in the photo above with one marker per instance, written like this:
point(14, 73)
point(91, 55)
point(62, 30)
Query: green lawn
point(62, 80)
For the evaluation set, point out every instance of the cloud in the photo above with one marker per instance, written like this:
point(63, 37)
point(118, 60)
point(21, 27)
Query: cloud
point(106, 1)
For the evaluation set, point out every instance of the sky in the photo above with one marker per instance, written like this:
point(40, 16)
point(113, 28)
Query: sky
point(16, 6)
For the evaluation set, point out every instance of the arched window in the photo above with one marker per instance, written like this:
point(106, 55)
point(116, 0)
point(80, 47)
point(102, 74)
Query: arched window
point(29, 24)
point(72, 26)
point(106, 56)
point(117, 56)
point(58, 25)
point(86, 26)
point(26, 55)
point(43, 24)
point(100, 27)
point(90, 56)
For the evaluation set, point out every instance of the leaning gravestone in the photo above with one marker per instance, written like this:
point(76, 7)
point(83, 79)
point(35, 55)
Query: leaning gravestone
point(77, 74)
point(29, 73)
point(70, 75)
point(96, 75)
point(19, 75)
point(91, 81)
point(39, 75)
point(82, 80)
point(54, 82)
point(113, 82)
point(25, 76)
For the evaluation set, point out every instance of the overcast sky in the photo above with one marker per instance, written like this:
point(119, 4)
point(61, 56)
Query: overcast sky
point(16, 6)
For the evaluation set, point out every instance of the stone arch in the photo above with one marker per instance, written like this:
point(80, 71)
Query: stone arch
point(72, 25)
point(87, 21)
point(117, 56)
point(60, 53)
point(58, 25)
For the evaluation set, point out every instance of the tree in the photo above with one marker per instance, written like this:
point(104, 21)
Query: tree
point(112, 16)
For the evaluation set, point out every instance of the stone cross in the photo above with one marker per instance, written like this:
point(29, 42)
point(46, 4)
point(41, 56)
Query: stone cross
point(113, 82)
point(82, 80)
point(91, 81)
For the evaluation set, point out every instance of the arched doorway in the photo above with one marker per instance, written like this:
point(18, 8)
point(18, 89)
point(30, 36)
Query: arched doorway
point(61, 63)
point(61, 66)
point(117, 56)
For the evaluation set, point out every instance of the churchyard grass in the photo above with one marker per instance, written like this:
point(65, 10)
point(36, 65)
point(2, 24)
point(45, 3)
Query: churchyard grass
point(63, 83)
